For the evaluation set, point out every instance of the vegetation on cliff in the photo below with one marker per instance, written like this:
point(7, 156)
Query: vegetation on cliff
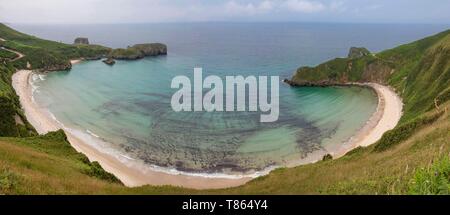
point(12, 120)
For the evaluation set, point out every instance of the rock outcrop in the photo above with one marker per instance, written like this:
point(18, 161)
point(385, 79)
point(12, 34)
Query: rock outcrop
point(55, 67)
point(357, 52)
point(109, 61)
point(81, 41)
point(138, 51)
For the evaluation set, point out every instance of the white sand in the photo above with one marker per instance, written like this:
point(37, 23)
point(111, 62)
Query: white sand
point(75, 61)
point(386, 117)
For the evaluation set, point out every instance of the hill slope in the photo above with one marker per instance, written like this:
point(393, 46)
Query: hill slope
point(412, 158)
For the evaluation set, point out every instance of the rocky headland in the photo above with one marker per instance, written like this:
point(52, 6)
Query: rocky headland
point(138, 51)
point(360, 66)
point(135, 52)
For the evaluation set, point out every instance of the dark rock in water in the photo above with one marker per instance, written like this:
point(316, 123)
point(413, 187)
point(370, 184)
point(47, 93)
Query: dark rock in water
point(138, 51)
point(99, 57)
point(109, 61)
point(81, 40)
point(357, 52)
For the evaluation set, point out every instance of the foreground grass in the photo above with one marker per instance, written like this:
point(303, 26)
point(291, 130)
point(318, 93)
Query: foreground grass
point(48, 165)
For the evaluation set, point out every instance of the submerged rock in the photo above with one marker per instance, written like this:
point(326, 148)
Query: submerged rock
point(81, 40)
point(109, 61)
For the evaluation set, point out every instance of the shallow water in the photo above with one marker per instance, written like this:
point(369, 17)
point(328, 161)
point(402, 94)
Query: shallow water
point(128, 104)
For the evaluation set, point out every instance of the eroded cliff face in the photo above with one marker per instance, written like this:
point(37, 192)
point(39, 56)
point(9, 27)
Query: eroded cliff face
point(56, 67)
point(377, 72)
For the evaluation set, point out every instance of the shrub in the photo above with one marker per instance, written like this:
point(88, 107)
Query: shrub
point(8, 180)
point(432, 180)
point(402, 132)
point(95, 170)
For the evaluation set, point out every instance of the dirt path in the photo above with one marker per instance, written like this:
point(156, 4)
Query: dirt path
point(19, 55)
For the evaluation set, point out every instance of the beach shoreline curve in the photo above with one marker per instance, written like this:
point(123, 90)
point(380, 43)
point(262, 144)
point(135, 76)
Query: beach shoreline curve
point(385, 118)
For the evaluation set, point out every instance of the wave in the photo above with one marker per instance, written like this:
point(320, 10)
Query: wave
point(92, 133)
point(42, 77)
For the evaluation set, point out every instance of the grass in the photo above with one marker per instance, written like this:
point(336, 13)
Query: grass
point(46, 54)
point(432, 180)
point(413, 158)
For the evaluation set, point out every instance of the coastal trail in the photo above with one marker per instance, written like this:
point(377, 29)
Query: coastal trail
point(19, 55)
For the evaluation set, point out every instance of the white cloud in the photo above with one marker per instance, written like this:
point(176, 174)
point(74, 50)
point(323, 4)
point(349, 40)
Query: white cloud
point(304, 6)
point(235, 8)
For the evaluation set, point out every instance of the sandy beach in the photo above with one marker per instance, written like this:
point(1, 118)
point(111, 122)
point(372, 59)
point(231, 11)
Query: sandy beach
point(385, 118)
point(75, 61)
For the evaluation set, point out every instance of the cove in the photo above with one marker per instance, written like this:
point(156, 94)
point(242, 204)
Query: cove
point(213, 99)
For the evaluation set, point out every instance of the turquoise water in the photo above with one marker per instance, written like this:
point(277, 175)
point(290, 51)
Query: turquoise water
point(128, 105)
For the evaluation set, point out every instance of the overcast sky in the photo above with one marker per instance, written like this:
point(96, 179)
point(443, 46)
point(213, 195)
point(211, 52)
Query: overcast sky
point(137, 11)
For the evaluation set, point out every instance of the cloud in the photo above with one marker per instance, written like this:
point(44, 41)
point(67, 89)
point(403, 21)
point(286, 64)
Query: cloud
point(235, 8)
point(304, 6)
point(119, 11)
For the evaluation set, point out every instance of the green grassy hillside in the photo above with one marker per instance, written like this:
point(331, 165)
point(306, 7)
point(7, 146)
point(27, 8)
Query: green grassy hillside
point(419, 71)
point(412, 158)
point(46, 54)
